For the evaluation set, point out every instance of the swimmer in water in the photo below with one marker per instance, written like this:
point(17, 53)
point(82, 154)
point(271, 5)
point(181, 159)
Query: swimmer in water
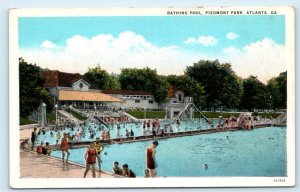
point(205, 166)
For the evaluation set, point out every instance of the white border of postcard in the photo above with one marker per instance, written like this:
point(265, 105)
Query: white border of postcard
point(14, 156)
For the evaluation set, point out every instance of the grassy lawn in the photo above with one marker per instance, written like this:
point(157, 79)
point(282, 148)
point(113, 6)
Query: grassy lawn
point(51, 116)
point(216, 114)
point(149, 114)
point(227, 115)
point(81, 118)
point(24, 121)
point(161, 114)
point(273, 115)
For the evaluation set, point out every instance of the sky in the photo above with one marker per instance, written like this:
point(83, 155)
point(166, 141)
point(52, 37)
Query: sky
point(254, 45)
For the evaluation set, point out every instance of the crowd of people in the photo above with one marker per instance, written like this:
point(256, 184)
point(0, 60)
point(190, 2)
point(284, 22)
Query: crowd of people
point(148, 127)
point(93, 155)
point(150, 171)
point(246, 122)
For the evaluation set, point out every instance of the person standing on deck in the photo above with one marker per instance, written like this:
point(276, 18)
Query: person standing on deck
point(90, 157)
point(148, 126)
point(64, 147)
point(33, 138)
point(99, 148)
point(118, 130)
point(150, 158)
point(178, 125)
point(144, 131)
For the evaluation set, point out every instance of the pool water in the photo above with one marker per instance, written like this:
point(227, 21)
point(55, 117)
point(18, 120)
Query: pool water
point(260, 152)
point(136, 127)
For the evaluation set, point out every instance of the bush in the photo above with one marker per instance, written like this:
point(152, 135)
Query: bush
point(24, 121)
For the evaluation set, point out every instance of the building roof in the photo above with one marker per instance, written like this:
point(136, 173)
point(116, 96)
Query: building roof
point(61, 79)
point(126, 92)
point(172, 90)
point(70, 95)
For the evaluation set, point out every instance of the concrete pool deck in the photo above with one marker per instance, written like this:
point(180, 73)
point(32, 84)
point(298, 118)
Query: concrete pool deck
point(33, 165)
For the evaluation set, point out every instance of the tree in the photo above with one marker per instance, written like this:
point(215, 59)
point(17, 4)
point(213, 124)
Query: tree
point(101, 79)
point(190, 87)
point(221, 85)
point(31, 89)
point(277, 87)
point(256, 95)
point(172, 79)
point(160, 91)
point(144, 79)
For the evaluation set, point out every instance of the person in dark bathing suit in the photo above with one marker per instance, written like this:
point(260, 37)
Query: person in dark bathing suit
point(128, 172)
point(150, 157)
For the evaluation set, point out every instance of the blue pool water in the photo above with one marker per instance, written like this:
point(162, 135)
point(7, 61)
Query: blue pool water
point(136, 127)
point(261, 152)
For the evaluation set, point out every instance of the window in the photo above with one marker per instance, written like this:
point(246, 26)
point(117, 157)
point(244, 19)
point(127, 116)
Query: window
point(179, 97)
point(137, 101)
point(81, 85)
point(150, 101)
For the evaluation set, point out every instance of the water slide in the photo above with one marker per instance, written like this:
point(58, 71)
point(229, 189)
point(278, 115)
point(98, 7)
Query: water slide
point(68, 115)
point(100, 120)
point(184, 109)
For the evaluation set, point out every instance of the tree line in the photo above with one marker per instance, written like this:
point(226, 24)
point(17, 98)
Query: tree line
point(210, 83)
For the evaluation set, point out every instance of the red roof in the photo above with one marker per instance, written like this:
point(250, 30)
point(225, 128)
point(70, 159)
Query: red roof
point(172, 90)
point(126, 92)
point(60, 79)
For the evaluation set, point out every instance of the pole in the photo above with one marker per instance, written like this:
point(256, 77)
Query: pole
point(56, 114)
point(166, 112)
point(70, 113)
point(43, 113)
point(145, 112)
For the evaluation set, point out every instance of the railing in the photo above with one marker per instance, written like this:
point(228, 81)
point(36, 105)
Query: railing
point(185, 108)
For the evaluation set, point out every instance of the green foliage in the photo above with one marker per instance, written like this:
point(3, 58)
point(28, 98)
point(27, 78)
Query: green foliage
point(161, 114)
point(24, 121)
point(256, 95)
point(268, 115)
point(149, 114)
point(227, 115)
point(144, 79)
point(221, 85)
point(173, 79)
point(190, 87)
point(51, 117)
point(278, 90)
point(101, 79)
point(78, 116)
point(216, 114)
point(32, 92)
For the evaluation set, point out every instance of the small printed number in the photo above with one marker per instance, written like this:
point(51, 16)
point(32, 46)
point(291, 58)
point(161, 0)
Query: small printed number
point(279, 180)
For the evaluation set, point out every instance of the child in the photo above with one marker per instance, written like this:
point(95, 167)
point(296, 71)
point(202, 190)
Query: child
point(146, 173)
point(117, 169)
point(128, 172)
point(48, 149)
point(57, 137)
point(39, 148)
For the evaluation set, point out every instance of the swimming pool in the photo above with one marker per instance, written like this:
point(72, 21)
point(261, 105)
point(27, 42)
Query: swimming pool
point(136, 127)
point(261, 152)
